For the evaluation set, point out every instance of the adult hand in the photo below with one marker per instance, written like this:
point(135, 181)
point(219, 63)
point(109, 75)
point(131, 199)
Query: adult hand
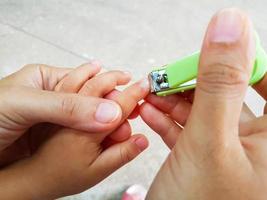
point(67, 161)
point(216, 156)
point(28, 98)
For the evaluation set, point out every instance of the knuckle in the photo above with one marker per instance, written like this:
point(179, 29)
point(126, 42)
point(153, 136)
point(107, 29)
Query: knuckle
point(31, 67)
point(221, 78)
point(126, 155)
point(90, 87)
point(36, 67)
point(37, 73)
point(64, 86)
point(69, 106)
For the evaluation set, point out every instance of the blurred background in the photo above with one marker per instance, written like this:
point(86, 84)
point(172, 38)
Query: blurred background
point(131, 35)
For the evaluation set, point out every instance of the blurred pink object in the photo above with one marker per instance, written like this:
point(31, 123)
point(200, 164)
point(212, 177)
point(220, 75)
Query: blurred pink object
point(135, 192)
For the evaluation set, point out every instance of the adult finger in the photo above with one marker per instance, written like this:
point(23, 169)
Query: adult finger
point(188, 95)
point(167, 129)
point(72, 110)
point(246, 114)
point(37, 76)
point(179, 109)
point(135, 113)
point(226, 60)
point(174, 105)
point(254, 126)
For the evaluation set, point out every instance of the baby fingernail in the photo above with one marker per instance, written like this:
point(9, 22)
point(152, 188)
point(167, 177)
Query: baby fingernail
point(144, 83)
point(228, 26)
point(135, 192)
point(141, 143)
point(107, 112)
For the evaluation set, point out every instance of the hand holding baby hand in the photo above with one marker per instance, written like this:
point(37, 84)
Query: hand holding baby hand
point(68, 161)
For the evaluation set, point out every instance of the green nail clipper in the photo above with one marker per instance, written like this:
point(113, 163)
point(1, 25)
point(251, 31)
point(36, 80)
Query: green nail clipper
point(181, 75)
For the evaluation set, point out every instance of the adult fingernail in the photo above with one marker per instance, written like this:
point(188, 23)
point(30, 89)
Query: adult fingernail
point(141, 143)
point(228, 26)
point(107, 112)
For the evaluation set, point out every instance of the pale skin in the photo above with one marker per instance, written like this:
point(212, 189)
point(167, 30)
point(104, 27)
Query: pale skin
point(61, 161)
point(216, 154)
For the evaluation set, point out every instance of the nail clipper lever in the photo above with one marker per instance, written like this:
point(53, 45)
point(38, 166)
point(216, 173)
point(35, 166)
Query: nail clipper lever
point(181, 75)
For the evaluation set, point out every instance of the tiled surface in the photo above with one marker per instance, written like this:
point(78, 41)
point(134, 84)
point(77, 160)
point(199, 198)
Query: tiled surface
point(128, 35)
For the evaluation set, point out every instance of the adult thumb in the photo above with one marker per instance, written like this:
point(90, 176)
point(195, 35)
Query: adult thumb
point(225, 65)
point(24, 107)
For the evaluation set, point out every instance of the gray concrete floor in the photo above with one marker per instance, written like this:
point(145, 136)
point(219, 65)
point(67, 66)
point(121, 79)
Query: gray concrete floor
point(129, 35)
